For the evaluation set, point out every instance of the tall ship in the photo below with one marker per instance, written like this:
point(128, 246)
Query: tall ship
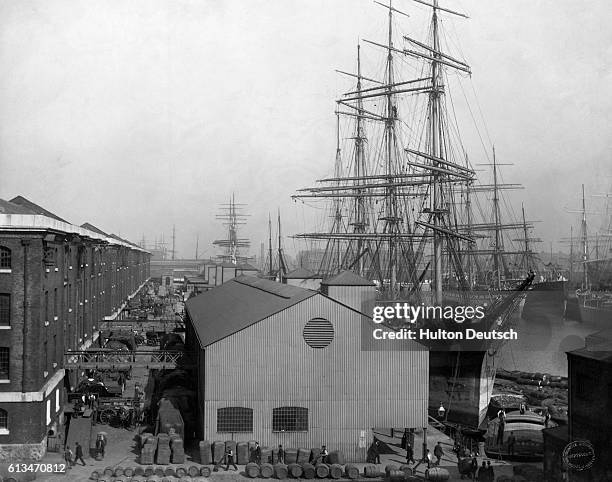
point(401, 197)
point(593, 291)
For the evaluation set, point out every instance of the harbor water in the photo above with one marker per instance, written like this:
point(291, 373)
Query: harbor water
point(544, 338)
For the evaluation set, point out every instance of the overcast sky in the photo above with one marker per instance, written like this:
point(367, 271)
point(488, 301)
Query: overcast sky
point(136, 115)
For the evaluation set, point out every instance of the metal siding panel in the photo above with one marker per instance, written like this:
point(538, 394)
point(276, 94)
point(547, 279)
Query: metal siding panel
point(345, 389)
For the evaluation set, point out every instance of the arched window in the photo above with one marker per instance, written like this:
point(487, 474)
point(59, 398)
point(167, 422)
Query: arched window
point(5, 258)
point(235, 419)
point(290, 419)
point(3, 420)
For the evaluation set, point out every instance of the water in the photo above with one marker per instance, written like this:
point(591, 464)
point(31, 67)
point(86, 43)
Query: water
point(544, 339)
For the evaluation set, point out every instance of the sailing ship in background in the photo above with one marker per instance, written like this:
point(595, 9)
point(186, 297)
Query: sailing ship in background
point(401, 202)
point(592, 290)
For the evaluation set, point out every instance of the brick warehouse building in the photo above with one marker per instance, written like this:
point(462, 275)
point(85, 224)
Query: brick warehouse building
point(286, 365)
point(57, 282)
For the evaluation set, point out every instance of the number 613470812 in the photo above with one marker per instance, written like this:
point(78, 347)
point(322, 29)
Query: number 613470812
point(42, 468)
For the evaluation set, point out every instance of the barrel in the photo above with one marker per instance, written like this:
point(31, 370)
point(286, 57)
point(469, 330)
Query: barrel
point(322, 471)
point(95, 475)
point(149, 471)
point(119, 479)
point(159, 471)
point(295, 470)
point(371, 471)
point(437, 473)
point(351, 471)
point(128, 472)
point(389, 468)
point(193, 471)
point(138, 478)
point(266, 470)
point(139, 471)
point(153, 478)
point(205, 471)
point(169, 472)
point(291, 456)
point(266, 455)
point(205, 453)
point(335, 471)
point(396, 476)
point(181, 471)
point(281, 471)
point(309, 471)
point(218, 450)
point(303, 456)
point(242, 453)
point(406, 469)
point(167, 479)
point(336, 457)
point(109, 472)
point(252, 470)
point(314, 454)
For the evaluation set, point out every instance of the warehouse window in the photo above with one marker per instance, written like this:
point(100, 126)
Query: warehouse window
point(318, 333)
point(5, 258)
point(235, 419)
point(290, 419)
point(5, 309)
point(4, 363)
point(3, 421)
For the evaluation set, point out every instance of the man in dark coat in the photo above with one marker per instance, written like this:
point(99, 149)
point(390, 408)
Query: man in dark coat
point(79, 454)
point(438, 452)
point(409, 453)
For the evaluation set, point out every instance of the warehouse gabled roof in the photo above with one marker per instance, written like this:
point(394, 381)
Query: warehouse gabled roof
point(91, 227)
point(347, 278)
point(35, 208)
point(7, 207)
point(238, 304)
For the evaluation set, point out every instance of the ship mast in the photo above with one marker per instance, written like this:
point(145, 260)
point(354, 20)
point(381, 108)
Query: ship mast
point(585, 248)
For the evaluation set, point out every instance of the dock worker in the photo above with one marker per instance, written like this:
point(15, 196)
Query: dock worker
point(256, 454)
point(511, 442)
point(438, 452)
point(281, 455)
point(522, 408)
point(79, 454)
point(546, 418)
point(482, 473)
point(229, 459)
point(323, 455)
point(409, 453)
point(428, 458)
point(68, 457)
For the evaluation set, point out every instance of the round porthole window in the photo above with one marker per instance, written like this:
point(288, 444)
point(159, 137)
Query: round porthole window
point(318, 333)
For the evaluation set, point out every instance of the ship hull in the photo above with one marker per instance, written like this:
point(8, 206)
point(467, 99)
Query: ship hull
point(595, 315)
point(463, 383)
point(546, 297)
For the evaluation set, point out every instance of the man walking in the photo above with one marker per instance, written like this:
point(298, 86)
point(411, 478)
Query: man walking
point(229, 459)
point(68, 457)
point(409, 453)
point(79, 454)
point(438, 452)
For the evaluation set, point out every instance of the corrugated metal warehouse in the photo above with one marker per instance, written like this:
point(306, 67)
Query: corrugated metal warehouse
point(286, 365)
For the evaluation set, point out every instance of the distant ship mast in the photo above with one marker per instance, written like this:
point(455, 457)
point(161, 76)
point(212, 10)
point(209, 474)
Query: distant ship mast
point(232, 216)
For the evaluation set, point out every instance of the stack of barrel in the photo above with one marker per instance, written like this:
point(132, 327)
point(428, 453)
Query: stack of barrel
point(148, 446)
point(178, 449)
point(163, 449)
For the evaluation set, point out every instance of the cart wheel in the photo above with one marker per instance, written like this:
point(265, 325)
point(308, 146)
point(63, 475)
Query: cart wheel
point(107, 415)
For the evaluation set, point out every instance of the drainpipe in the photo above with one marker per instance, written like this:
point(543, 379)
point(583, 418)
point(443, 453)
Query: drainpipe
point(26, 335)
